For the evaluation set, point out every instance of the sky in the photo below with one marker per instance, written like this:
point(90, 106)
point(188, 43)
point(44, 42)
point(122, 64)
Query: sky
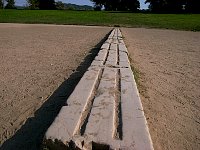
point(80, 2)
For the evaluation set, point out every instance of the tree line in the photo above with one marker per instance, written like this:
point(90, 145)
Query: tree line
point(155, 6)
point(32, 4)
point(10, 4)
point(174, 6)
point(117, 5)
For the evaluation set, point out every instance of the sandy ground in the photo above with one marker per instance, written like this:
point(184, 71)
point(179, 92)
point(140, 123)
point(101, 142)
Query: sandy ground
point(169, 65)
point(35, 63)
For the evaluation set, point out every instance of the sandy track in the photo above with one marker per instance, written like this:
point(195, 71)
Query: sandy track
point(104, 110)
point(34, 61)
point(169, 62)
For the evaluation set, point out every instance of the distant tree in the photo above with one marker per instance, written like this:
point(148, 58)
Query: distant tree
point(112, 5)
point(47, 4)
point(165, 6)
point(132, 5)
point(118, 5)
point(192, 6)
point(60, 5)
point(1, 4)
point(97, 8)
point(174, 6)
point(158, 6)
point(98, 4)
point(33, 4)
point(70, 8)
point(10, 4)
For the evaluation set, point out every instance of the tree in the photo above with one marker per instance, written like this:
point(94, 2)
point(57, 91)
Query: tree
point(192, 6)
point(47, 4)
point(174, 6)
point(118, 5)
point(1, 4)
point(98, 4)
point(165, 6)
point(33, 4)
point(10, 4)
point(60, 5)
point(132, 5)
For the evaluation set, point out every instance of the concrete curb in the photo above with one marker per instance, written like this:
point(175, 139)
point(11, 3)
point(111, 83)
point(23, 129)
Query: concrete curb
point(104, 111)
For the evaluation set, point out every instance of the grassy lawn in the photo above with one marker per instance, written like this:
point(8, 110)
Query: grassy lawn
point(167, 21)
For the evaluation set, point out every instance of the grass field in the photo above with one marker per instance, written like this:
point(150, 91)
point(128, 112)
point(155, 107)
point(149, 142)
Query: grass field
point(167, 21)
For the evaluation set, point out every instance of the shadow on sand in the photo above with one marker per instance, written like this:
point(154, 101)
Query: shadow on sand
point(30, 135)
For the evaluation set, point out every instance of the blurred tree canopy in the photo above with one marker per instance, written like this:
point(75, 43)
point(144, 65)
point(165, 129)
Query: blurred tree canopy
point(1, 4)
point(33, 4)
point(60, 5)
point(117, 5)
point(192, 6)
point(41, 4)
point(10, 4)
point(174, 6)
point(47, 4)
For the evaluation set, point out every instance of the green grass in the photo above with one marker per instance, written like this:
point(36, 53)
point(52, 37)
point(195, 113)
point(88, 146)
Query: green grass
point(167, 21)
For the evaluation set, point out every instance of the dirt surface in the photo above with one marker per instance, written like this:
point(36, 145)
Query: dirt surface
point(169, 65)
point(36, 61)
point(104, 111)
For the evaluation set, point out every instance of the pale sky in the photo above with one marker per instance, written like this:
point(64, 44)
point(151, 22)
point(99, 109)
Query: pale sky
point(79, 2)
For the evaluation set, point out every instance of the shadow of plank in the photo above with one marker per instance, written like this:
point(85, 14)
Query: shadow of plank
point(30, 135)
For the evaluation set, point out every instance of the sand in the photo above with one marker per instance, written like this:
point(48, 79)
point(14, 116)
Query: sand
point(41, 64)
point(36, 61)
point(169, 65)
